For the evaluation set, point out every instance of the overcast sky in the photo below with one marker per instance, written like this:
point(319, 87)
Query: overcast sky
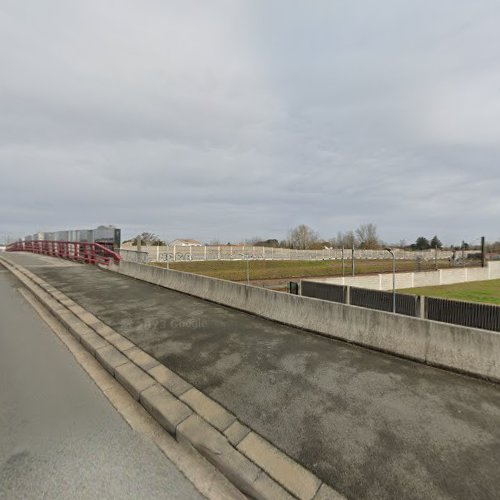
point(232, 119)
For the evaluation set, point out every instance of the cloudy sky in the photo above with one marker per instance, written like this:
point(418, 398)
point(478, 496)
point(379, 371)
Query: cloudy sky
point(233, 119)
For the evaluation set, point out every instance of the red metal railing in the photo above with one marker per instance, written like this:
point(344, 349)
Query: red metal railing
point(88, 253)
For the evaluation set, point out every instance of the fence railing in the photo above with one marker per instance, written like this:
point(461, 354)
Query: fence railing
point(179, 253)
point(472, 314)
point(405, 304)
point(88, 253)
point(486, 316)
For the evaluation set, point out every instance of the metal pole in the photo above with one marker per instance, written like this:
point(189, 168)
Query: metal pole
point(352, 260)
point(483, 254)
point(248, 271)
point(393, 283)
point(393, 279)
point(343, 270)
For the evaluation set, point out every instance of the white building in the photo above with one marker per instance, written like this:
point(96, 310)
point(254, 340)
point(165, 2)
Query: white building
point(185, 243)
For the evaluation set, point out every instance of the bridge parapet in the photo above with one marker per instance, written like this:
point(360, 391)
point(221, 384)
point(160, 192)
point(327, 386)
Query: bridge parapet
point(84, 252)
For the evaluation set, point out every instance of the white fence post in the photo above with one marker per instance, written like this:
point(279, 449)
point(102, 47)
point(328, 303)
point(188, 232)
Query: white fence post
point(174, 252)
point(190, 252)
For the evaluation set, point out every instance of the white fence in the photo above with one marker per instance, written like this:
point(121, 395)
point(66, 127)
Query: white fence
point(418, 279)
point(177, 253)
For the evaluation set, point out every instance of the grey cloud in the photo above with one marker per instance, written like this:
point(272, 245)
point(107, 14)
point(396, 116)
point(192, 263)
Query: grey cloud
point(233, 119)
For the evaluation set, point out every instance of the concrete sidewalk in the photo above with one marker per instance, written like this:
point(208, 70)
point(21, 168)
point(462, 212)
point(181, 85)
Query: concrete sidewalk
point(369, 424)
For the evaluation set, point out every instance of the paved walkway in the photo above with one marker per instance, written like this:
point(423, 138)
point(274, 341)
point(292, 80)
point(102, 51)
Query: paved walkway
point(59, 436)
point(369, 424)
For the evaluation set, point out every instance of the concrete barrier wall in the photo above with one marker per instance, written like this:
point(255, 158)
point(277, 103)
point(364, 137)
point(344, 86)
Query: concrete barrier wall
point(464, 349)
point(417, 279)
point(134, 256)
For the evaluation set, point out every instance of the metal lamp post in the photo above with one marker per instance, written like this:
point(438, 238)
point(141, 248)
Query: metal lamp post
point(248, 271)
point(393, 279)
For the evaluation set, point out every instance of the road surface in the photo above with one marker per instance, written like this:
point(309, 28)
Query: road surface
point(59, 435)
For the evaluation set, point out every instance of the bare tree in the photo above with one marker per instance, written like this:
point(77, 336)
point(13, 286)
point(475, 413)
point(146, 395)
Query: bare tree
point(302, 237)
point(368, 237)
point(344, 240)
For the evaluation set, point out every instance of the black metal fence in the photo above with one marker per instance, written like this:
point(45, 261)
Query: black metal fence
point(476, 315)
point(381, 300)
point(472, 314)
point(325, 291)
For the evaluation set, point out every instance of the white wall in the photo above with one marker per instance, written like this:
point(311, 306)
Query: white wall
point(239, 252)
point(418, 279)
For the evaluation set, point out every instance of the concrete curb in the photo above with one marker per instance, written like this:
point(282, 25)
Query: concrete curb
point(251, 463)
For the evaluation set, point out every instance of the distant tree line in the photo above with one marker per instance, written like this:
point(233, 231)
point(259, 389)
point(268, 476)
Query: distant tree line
point(422, 243)
point(304, 237)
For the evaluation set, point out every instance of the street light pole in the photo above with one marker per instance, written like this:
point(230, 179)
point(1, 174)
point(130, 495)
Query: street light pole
point(393, 279)
point(352, 259)
point(343, 271)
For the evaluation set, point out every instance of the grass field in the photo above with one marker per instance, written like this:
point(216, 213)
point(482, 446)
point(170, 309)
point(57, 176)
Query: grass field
point(474, 291)
point(282, 269)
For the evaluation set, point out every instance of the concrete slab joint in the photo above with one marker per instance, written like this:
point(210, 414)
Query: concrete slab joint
point(207, 408)
point(170, 380)
point(164, 407)
point(141, 358)
point(236, 432)
point(111, 358)
point(133, 379)
point(279, 466)
point(235, 466)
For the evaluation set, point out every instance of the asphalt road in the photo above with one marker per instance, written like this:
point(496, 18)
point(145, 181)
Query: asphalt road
point(59, 436)
point(373, 426)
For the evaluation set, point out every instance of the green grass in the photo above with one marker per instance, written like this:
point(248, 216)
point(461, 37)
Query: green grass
point(474, 291)
point(282, 269)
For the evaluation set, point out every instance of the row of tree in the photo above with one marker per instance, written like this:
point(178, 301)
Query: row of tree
point(365, 237)
point(304, 237)
point(422, 243)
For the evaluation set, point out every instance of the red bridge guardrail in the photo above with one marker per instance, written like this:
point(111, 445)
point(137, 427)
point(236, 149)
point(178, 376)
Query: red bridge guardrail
point(88, 253)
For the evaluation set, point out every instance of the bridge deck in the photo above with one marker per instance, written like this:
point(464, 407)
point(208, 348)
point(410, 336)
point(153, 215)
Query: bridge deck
point(371, 425)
